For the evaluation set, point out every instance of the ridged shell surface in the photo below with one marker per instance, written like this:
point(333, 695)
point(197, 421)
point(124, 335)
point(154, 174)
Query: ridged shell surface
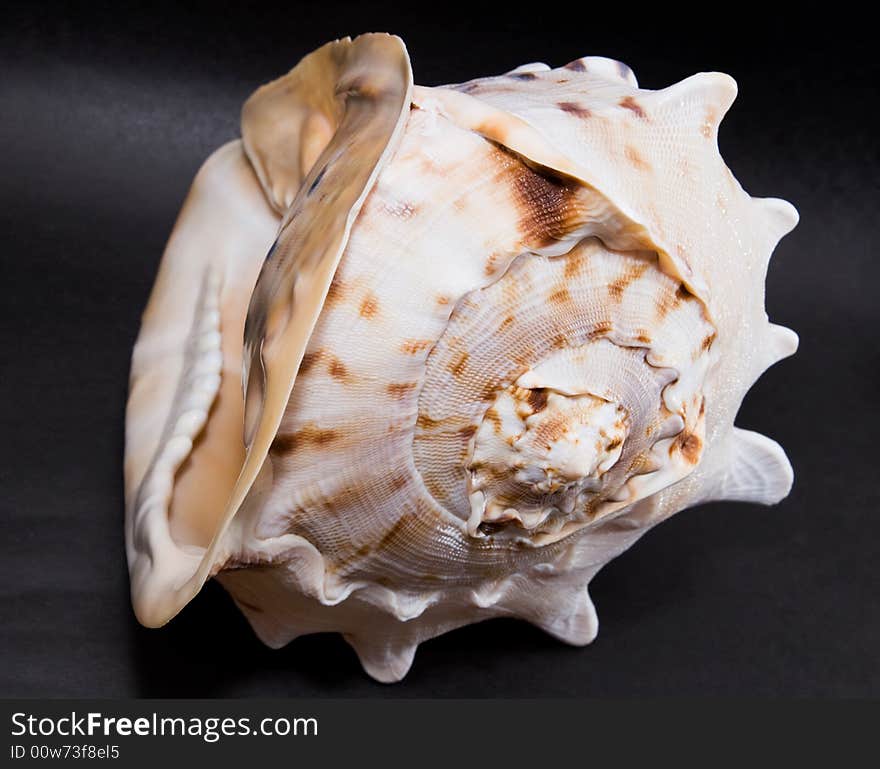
point(503, 328)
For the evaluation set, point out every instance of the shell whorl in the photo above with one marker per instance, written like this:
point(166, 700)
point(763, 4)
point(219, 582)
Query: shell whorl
point(563, 392)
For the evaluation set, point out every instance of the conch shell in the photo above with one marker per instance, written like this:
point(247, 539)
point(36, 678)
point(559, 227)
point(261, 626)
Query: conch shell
point(419, 357)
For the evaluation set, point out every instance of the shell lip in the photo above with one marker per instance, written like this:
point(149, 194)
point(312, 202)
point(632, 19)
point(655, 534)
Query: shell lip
point(165, 576)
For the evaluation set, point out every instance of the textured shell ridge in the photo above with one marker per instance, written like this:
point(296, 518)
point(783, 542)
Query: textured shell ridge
point(519, 344)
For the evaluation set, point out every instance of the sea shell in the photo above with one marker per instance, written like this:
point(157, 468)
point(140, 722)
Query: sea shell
point(503, 328)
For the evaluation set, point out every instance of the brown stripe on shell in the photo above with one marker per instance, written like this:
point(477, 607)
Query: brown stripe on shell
point(704, 347)
point(337, 293)
point(494, 417)
point(617, 287)
point(399, 390)
point(369, 307)
point(635, 157)
point(424, 422)
point(398, 482)
point(551, 429)
point(537, 399)
point(283, 444)
point(508, 320)
point(415, 346)
point(309, 360)
point(311, 434)
point(575, 263)
point(337, 369)
point(458, 364)
point(574, 109)
point(669, 300)
point(689, 445)
point(602, 328)
point(576, 66)
point(547, 204)
point(633, 106)
point(558, 342)
point(561, 295)
point(664, 303)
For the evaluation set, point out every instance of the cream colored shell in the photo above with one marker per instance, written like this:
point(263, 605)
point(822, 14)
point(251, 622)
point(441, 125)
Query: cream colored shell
point(503, 328)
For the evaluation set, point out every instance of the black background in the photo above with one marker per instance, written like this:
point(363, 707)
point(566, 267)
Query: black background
point(106, 112)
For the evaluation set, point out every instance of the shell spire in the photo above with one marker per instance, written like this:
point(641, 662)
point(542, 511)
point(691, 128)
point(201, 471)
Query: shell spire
point(489, 334)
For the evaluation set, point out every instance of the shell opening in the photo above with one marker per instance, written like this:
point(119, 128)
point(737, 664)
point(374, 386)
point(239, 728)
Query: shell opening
point(349, 98)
